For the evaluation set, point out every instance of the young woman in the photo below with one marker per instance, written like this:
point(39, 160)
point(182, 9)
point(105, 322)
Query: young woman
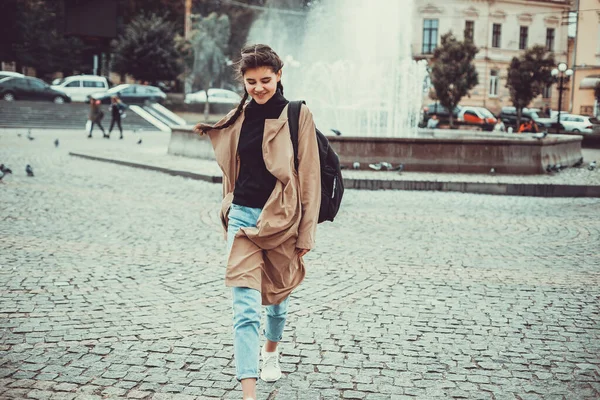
point(269, 210)
point(95, 117)
point(117, 108)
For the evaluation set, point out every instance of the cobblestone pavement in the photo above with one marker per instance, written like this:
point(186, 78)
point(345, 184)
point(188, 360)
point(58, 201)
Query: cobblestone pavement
point(111, 286)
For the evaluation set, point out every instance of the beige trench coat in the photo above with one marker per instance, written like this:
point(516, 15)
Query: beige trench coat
point(264, 258)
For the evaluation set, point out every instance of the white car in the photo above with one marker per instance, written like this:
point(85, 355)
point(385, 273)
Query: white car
point(79, 87)
point(580, 123)
point(10, 74)
point(215, 96)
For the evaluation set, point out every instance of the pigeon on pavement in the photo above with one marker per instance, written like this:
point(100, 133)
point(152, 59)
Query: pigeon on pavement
point(399, 168)
point(338, 133)
point(356, 165)
point(592, 166)
point(29, 170)
point(56, 143)
point(4, 169)
point(139, 141)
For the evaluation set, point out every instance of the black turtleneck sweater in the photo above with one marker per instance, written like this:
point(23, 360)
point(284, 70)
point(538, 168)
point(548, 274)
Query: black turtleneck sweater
point(255, 183)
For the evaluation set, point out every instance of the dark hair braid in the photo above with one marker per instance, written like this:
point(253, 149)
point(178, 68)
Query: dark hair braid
point(254, 56)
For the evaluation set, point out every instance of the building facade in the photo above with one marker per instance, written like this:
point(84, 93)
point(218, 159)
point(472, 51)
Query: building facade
point(501, 29)
point(586, 57)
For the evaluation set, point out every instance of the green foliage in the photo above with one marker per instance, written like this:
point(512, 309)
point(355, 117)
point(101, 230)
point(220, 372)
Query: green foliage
point(8, 30)
point(209, 43)
point(37, 41)
point(528, 75)
point(453, 73)
point(147, 50)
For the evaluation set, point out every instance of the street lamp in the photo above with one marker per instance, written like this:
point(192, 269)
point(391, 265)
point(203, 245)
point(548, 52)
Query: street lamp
point(563, 74)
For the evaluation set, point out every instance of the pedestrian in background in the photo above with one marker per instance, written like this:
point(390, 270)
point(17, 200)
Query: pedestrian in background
point(117, 111)
point(529, 126)
point(499, 127)
point(269, 211)
point(433, 122)
point(95, 117)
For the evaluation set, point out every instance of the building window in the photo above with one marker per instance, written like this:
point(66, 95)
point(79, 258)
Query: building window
point(547, 92)
point(523, 37)
point(493, 92)
point(469, 29)
point(430, 34)
point(496, 34)
point(550, 39)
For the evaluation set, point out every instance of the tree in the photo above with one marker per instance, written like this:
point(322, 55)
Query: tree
point(453, 73)
point(147, 50)
point(209, 42)
point(8, 30)
point(36, 41)
point(528, 75)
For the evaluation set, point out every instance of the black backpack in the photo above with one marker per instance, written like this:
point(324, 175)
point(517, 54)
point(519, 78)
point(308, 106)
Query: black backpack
point(332, 184)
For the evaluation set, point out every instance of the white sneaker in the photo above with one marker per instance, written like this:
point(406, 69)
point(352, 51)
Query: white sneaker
point(270, 371)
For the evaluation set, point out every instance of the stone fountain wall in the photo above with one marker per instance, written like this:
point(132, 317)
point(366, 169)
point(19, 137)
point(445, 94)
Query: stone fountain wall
point(457, 151)
point(462, 152)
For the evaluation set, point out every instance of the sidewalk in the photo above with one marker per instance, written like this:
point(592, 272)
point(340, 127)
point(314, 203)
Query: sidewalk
point(152, 155)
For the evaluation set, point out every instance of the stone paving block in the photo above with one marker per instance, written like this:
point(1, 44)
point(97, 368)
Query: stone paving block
point(40, 394)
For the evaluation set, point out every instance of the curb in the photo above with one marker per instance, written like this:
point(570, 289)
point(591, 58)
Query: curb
point(174, 172)
point(507, 189)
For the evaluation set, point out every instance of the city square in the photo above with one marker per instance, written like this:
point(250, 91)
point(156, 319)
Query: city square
point(112, 287)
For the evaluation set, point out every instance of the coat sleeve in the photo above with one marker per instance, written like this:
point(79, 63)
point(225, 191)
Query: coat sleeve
point(309, 178)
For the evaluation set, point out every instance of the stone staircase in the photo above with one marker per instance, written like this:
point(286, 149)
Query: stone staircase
point(38, 114)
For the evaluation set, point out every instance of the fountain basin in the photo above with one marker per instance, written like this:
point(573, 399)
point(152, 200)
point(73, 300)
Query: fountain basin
point(186, 143)
point(462, 151)
point(431, 151)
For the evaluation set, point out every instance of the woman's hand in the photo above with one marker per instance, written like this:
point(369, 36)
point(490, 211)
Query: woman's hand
point(197, 129)
point(301, 252)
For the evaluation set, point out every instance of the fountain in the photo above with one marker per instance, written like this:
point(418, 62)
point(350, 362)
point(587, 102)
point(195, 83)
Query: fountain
point(351, 61)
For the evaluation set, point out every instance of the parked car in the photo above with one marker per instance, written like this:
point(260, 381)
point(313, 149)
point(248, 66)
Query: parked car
point(508, 115)
point(131, 94)
point(78, 87)
point(10, 74)
point(478, 116)
point(215, 96)
point(580, 123)
point(28, 88)
point(440, 111)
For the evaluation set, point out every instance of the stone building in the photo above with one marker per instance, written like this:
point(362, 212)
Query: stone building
point(501, 29)
point(586, 57)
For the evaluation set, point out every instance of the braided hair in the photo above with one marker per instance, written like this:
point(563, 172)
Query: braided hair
point(253, 56)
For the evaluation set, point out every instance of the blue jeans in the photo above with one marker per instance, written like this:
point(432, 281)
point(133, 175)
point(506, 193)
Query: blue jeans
point(247, 306)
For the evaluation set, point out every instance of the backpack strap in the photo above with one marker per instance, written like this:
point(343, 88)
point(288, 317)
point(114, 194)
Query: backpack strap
point(293, 122)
